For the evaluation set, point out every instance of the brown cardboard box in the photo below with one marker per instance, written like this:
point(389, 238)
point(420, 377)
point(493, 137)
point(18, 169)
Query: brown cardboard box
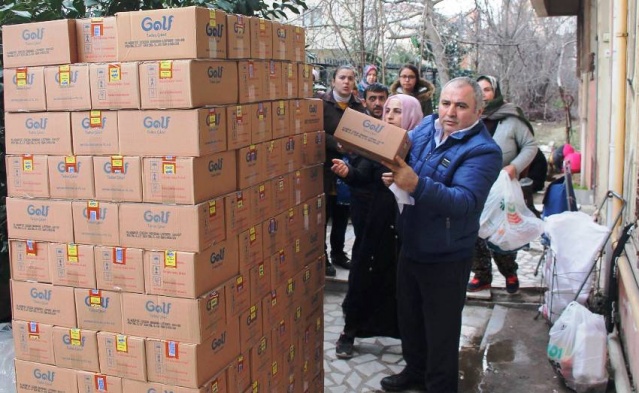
point(238, 212)
point(261, 360)
point(43, 303)
point(305, 84)
point(260, 277)
point(274, 161)
point(27, 176)
point(262, 125)
point(313, 148)
point(299, 44)
point(273, 235)
point(98, 309)
point(282, 41)
point(40, 43)
point(188, 83)
point(98, 383)
point(40, 219)
point(189, 133)
point(29, 260)
point(250, 247)
point(37, 377)
point(262, 202)
point(290, 80)
point(175, 33)
point(250, 327)
point(171, 318)
point(67, 87)
point(187, 274)
point(115, 85)
point(294, 225)
point(215, 385)
point(282, 265)
point(33, 341)
point(273, 310)
point(371, 138)
point(38, 133)
point(118, 178)
point(307, 115)
point(276, 377)
point(251, 74)
point(72, 265)
point(95, 132)
point(307, 183)
point(273, 89)
point(238, 296)
point(119, 269)
point(96, 40)
point(192, 365)
point(122, 355)
point(24, 89)
point(261, 38)
point(76, 349)
point(239, 126)
point(96, 223)
point(238, 44)
point(281, 337)
point(292, 159)
point(188, 180)
point(170, 227)
point(71, 177)
point(239, 373)
point(251, 162)
point(282, 193)
point(281, 119)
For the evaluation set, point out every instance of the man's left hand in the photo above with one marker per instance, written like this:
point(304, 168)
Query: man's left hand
point(403, 175)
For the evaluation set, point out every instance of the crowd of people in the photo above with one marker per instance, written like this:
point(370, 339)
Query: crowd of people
point(409, 268)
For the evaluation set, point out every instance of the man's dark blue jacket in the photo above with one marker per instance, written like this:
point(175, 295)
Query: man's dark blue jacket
point(454, 181)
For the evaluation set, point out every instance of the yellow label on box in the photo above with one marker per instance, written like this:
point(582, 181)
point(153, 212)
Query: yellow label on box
point(95, 119)
point(212, 208)
point(170, 258)
point(21, 76)
point(212, 18)
point(75, 337)
point(252, 235)
point(121, 343)
point(166, 69)
point(95, 298)
point(64, 73)
point(115, 72)
point(27, 163)
point(72, 253)
point(297, 245)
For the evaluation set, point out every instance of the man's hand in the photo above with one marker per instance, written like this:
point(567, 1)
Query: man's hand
point(403, 175)
point(511, 170)
point(339, 168)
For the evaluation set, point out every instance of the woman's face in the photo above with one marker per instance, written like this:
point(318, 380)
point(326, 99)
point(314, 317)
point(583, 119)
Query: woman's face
point(393, 114)
point(344, 82)
point(486, 90)
point(407, 79)
point(371, 77)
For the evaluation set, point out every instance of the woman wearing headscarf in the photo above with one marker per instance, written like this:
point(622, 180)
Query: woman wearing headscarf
point(514, 135)
point(369, 77)
point(370, 307)
point(410, 83)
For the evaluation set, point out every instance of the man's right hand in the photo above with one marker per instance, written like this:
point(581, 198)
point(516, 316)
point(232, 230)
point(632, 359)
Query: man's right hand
point(339, 168)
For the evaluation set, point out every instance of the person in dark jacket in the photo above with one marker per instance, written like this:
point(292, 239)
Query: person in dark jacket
point(452, 164)
point(336, 101)
point(410, 83)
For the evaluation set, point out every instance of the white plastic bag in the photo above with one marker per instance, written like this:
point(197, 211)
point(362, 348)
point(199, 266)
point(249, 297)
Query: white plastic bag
point(492, 217)
point(7, 353)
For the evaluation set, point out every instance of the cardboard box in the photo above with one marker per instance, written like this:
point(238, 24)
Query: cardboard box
point(38, 133)
point(24, 89)
point(261, 38)
point(281, 338)
point(238, 212)
point(274, 161)
point(119, 269)
point(299, 44)
point(250, 247)
point(33, 341)
point(188, 180)
point(192, 365)
point(40, 219)
point(282, 193)
point(98, 383)
point(305, 84)
point(282, 41)
point(371, 138)
point(95, 132)
point(313, 148)
point(292, 158)
point(121, 355)
point(37, 377)
point(238, 44)
point(250, 327)
point(96, 222)
point(29, 260)
point(307, 115)
point(307, 183)
point(72, 265)
point(43, 303)
point(273, 310)
point(281, 119)
point(96, 40)
point(274, 86)
point(273, 235)
point(76, 349)
point(188, 83)
point(27, 176)
point(40, 43)
point(187, 274)
point(262, 126)
point(151, 387)
point(171, 227)
point(175, 33)
point(290, 80)
point(251, 74)
point(189, 133)
point(262, 202)
point(68, 87)
point(118, 178)
point(98, 309)
point(239, 126)
point(294, 225)
point(171, 318)
point(115, 85)
point(238, 295)
point(71, 177)
point(239, 373)
point(261, 356)
point(251, 162)
point(260, 277)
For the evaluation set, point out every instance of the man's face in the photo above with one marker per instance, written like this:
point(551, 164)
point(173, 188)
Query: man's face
point(457, 108)
point(486, 90)
point(375, 103)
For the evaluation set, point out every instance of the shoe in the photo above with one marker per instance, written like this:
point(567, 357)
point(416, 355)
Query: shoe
point(402, 381)
point(341, 260)
point(344, 347)
point(330, 270)
point(476, 285)
point(512, 284)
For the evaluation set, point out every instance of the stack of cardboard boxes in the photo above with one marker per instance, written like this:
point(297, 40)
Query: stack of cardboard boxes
point(165, 204)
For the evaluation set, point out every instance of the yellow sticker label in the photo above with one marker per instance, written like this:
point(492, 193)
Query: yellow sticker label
point(212, 18)
point(253, 312)
point(297, 245)
point(95, 298)
point(64, 75)
point(21, 76)
point(121, 343)
point(115, 72)
point(27, 163)
point(170, 258)
point(95, 119)
point(212, 208)
point(117, 164)
point(166, 69)
point(72, 253)
point(75, 337)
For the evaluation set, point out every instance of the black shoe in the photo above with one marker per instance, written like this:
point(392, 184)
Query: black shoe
point(341, 260)
point(344, 347)
point(330, 270)
point(402, 381)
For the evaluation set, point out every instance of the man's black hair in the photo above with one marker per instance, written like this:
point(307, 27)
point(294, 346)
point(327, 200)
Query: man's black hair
point(375, 88)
